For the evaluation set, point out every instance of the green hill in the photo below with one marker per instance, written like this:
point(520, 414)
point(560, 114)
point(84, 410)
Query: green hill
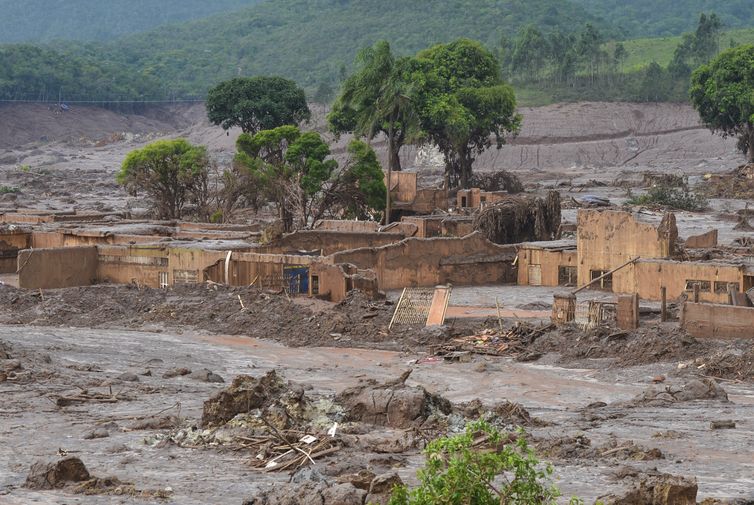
point(310, 40)
point(642, 52)
point(45, 20)
point(654, 18)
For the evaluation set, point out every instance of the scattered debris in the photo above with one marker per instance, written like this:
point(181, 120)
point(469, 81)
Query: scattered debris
point(513, 342)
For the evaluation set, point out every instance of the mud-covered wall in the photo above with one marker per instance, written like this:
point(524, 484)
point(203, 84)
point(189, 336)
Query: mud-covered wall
point(403, 186)
point(12, 241)
point(646, 277)
point(607, 239)
point(547, 262)
point(439, 226)
point(429, 262)
point(347, 225)
point(264, 270)
point(705, 320)
point(328, 242)
point(474, 197)
point(68, 238)
point(153, 265)
point(57, 268)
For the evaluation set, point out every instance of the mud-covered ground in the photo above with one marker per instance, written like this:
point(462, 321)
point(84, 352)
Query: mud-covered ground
point(598, 424)
point(605, 407)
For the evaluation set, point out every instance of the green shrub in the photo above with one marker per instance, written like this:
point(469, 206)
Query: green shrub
point(8, 189)
point(481, 466)
point(674, 198)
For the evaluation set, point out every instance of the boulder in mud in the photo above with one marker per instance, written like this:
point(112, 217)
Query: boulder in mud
point(382, 487)
point(694, 389)
point(657, 489)
point(392, 404)
point(45, 475)
point(206, 376)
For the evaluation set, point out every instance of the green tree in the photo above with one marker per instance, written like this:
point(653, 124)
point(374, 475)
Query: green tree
point(588, 47)
point(257, 103)
point(290, 165)
point(620, 55)
point(481, 466)
point(654, 86)
point(358, 189)
point(462, 102)
point(723, 94)
point(375, 99)
point(170, 172)
point(529, 52)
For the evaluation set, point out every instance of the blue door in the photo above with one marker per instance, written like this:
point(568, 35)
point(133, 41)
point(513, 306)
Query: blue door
point(296, 279)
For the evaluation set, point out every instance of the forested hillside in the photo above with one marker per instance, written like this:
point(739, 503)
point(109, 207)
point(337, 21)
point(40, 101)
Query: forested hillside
point(310, 40)
point(653, 18)
point(45, 20)
point(550, 49)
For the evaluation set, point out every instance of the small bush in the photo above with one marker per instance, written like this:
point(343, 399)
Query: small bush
point(481, 466)
point(8, 189)
point(674, 198)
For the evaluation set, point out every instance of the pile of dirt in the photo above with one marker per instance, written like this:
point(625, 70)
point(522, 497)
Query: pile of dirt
point(503, 414)
point(277, 400)
point(654, 488)
point(520, 219)
point(392, 404)
point(729, 363)
point(309, 487)
point(738, 183)
point(55, 475)
point(648, 344)
point(691, 390)
point(580, 447)
point(356, 322)
point(71, 474)
point(21, 366)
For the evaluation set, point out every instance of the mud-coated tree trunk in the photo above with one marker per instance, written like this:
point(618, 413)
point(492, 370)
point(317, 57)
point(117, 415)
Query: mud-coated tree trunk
point(390, 154)
point(465, 161)
point(750, 152)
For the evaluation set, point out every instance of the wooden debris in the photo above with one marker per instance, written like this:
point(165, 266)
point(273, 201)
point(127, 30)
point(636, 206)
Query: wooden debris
point(512, 342)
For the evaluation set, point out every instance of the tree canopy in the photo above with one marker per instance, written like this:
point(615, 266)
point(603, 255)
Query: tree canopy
point(377, 98)
point(257, 103)
point(723, 94)
point(171, 172)
point(463, 102)
point(294, 169)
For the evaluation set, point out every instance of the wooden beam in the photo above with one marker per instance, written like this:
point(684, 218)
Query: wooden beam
point(611, 272)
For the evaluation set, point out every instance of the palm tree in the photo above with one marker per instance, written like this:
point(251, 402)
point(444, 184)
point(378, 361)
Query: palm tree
point(380, 98)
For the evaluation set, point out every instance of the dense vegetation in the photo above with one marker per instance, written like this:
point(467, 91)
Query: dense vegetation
point(551, 49)
point(723, 93)
point(39, 73)
point(46, 20)
point(646, 18)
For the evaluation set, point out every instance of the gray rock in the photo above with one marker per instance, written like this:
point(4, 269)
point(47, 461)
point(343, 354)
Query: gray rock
point(97, 433)
point(206, 376)
point(128, 377)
